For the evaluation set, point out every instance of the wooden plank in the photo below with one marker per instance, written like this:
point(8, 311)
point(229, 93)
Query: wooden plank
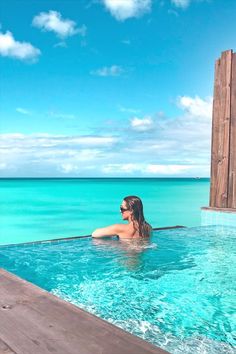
point(215, 134)
point(37, 322)
point(5, 349)
point(232, 157)
point(221, 131)
point(224, 131)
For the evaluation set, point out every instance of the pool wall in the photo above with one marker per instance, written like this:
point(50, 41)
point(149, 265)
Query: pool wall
point(218, 216)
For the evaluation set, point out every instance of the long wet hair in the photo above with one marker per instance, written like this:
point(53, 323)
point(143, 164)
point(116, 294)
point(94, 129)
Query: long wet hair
point(135, 205)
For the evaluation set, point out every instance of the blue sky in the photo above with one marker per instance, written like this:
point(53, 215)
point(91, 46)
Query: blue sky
point(113, 88)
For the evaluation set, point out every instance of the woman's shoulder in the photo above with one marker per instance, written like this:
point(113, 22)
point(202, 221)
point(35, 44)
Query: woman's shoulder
point(122, 227)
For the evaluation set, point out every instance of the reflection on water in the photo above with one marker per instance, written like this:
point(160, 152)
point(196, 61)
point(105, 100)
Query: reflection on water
point(132, 249)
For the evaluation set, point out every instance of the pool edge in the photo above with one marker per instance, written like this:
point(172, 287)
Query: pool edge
point(78, 237)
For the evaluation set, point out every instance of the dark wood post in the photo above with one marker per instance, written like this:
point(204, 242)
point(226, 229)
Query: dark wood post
point(223, 154)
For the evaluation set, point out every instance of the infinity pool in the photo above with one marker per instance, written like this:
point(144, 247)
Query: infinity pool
point(177, 291)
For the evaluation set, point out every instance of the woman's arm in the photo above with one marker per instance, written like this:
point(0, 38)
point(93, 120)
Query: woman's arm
point(108, 231)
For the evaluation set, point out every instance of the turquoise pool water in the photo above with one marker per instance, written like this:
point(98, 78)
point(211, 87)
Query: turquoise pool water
point(40, 209)
point(177, 291)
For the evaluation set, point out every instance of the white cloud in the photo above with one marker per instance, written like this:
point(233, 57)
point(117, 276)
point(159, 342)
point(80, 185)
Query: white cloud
point(197, 107)
point(75, 167)
point(123, 9)
point(23, 111)
point(146, 169)
point(59, 154)
point(114, 70)
point(181, 3)
point(62, 115)
point(52, 21)
point(175, 142)
point(76, 154)
point(167, 169)
point(126, 168)
point(93, 140)
point(82, 30)
point(126, 41)
point(3, 166)
point(165, 146)
point(68, 167)
point(128, 110)
point(141, 124)
point(39, 140)
point(61, 44)
point(9, 47)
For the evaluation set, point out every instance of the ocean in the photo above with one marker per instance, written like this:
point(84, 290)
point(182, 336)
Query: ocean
point(41, 209)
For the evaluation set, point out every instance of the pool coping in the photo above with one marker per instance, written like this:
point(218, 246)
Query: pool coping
point(36, 321)
point(78, 237)
point(225, 210)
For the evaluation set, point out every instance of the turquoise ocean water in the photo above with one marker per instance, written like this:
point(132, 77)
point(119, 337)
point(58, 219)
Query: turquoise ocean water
point(39, 209)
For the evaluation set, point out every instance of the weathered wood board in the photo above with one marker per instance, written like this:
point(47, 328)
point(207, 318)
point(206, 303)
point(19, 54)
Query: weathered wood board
point(223, 154)
point(232, 156)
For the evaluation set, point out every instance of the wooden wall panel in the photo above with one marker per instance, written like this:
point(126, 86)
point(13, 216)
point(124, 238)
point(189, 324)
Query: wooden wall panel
point(232, 156)
point(215, 133)
point(221, 131)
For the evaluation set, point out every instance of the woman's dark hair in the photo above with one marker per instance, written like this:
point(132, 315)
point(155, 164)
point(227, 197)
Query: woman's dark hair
point(135, 205)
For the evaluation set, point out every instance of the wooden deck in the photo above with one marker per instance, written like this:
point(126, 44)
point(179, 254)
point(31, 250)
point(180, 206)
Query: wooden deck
point(33, 321)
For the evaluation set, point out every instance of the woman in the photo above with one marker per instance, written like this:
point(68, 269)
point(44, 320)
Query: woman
point(131, 210)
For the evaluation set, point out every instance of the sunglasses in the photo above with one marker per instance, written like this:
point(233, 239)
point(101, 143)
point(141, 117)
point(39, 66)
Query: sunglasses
point(122, 210)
